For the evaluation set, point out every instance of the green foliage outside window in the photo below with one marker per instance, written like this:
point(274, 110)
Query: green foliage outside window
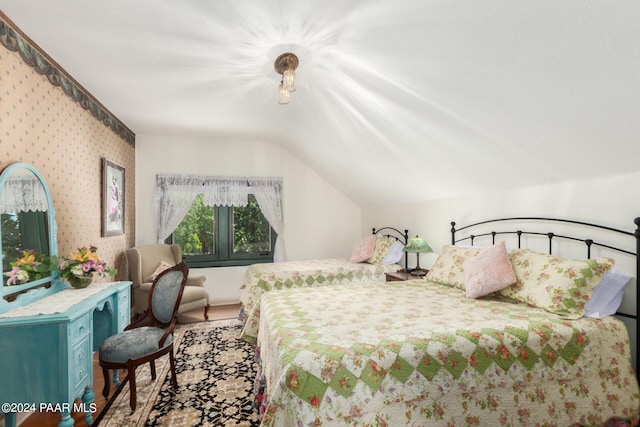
point(196, 232)
point(218, 236)
point(251, 230)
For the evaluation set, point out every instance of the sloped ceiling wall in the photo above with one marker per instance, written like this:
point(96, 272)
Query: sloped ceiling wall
point(396, 100)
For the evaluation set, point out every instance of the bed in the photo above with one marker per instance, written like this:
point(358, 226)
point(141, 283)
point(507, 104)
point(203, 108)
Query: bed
point(371, 258)
point(423, 352)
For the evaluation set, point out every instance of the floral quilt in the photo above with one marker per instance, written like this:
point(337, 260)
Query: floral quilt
point(417, 353)
point(261, 278)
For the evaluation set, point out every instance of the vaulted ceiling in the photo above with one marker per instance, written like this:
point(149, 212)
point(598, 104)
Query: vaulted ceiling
point(397, 100)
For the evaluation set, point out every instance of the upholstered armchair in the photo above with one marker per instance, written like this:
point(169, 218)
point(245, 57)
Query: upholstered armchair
point(146, 262)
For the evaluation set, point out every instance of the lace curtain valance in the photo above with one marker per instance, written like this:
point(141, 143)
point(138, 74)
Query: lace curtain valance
point(23, 194)
point(175, 195)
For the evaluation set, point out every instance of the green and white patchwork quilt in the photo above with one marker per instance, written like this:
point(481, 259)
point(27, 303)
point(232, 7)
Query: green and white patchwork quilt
point(417, 353)
point(261, 278)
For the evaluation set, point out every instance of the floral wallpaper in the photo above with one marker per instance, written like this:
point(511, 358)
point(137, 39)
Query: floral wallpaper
point(41, 125)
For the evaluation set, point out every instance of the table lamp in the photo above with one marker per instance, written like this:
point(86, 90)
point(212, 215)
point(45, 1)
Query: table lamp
point(418, 246)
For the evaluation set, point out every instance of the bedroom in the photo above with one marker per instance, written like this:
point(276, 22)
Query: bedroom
point(590, 171)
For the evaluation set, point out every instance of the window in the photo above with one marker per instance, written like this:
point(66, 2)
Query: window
point(224, 235)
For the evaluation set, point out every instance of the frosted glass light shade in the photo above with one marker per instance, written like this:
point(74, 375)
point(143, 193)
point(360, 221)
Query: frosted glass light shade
point(289, 79)
point(283, 95)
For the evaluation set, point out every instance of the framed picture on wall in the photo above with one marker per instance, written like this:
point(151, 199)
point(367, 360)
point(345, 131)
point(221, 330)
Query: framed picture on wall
point(112, 198)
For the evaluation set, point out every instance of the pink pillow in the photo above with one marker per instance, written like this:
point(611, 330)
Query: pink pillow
point(489, 271)
point(363, 249)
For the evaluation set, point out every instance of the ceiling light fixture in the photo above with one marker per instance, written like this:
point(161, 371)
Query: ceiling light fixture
point(286, 65)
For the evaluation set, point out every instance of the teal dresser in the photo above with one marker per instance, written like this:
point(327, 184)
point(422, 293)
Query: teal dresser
point(46, 349)
point(48, 330)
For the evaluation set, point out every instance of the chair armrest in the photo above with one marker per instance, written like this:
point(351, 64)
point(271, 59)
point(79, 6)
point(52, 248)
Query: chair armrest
point(196, 281)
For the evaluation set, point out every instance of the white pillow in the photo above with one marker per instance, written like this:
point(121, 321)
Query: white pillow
point(607, 296)
point(395, 253)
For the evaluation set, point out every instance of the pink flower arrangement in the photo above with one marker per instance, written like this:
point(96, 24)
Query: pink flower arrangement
point(82, 265)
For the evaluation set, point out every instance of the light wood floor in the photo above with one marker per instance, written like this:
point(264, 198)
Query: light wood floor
point(48, 419)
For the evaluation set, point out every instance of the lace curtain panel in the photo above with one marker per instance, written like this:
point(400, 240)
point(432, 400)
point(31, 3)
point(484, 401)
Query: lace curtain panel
point(175, 195)
point(268, 194)
point(23, 194)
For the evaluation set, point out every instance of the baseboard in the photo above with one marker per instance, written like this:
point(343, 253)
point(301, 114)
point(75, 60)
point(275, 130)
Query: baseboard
point(223, 301)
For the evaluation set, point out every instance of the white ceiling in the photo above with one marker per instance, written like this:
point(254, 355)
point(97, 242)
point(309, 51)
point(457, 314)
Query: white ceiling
point(397, 100)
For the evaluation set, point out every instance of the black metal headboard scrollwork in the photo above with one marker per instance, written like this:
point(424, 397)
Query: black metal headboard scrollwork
point(589, 242)
point(403, 237)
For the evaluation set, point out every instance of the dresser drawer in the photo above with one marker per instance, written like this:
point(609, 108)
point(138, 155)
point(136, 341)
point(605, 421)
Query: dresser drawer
point(81, 368)
point(123, 319)
point(123, 299)
point(80, 327)
point(124, 309)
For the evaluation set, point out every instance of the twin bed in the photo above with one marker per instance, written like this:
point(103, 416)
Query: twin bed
point(379, 255)
point(449, 350)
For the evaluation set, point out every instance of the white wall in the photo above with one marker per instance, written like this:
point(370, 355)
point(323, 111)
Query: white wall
point(612, 201)
point(320, 222)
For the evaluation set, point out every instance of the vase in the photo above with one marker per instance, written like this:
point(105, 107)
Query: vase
point(80, 282)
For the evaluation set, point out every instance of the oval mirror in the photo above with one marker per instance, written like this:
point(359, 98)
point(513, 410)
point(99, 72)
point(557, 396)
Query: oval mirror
point(27, 229)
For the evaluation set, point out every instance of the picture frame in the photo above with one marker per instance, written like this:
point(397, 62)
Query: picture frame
point(113, 197)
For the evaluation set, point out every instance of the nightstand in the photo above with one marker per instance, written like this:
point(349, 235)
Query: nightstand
point(400, 276)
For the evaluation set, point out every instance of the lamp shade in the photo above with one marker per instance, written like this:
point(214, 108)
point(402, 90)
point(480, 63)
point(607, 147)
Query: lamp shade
point(417, 244)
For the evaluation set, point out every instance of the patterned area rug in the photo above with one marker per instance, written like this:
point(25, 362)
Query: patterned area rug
point(215, 370)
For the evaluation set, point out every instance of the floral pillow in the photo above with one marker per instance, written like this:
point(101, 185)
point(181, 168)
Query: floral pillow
point(448, 270)
point(561, 286)
point(382, 246)
point(363, 250)
point(162, 266)
point(489, 271)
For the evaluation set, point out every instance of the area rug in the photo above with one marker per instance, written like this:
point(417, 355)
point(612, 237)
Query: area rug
point(215, 371)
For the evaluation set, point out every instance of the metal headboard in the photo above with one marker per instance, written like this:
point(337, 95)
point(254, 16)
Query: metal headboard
point(589, 243)
point(396, 234)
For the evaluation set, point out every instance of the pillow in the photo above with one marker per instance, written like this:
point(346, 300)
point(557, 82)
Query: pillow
point(607, 296)
point(561, 286)
point(363, 249)
point(395, 253)
point(448, 270)
point(489, 271)
point(468, 246)
point(383, 244)
point(162, 266)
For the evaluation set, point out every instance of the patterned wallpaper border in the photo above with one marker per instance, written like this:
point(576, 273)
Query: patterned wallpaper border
point(16, 41)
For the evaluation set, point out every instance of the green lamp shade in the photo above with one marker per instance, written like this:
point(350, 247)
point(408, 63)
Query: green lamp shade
point(418, 245)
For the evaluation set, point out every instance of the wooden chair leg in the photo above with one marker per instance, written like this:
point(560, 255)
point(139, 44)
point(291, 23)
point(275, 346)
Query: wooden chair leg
point(172, 363)
point(152, 366)
point(206, 312)
point(107, 382)
point(131, 374)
